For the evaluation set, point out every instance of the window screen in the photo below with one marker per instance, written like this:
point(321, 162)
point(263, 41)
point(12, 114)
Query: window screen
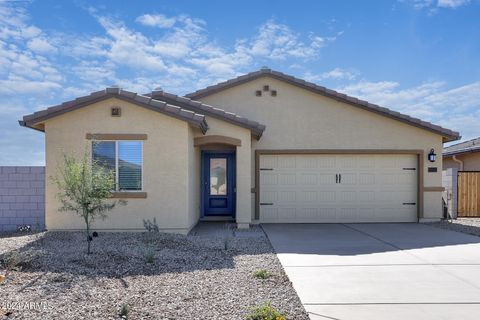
point(130, 165)
point(124, 158)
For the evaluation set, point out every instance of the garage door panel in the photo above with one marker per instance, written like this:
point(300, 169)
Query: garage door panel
point(373, 188)
point(287, 196)
point(286, 179)
point(348, 178)
point(268, 161)
point(286, 162)
point(269, 179)
point(326, 179)
point(269, 196)
point(367, 179)
point(308, 179)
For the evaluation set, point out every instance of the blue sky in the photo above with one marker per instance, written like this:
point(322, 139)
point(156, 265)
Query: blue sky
point(418, 57)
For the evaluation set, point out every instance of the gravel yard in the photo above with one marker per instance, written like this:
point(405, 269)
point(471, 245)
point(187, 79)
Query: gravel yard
point(191, 277)
point(465, 225)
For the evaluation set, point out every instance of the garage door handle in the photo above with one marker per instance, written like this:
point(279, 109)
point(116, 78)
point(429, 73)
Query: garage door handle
point(266, 203)
point(409, 203)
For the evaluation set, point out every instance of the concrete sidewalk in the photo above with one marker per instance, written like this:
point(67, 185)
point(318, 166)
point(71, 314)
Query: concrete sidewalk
point(380, 271)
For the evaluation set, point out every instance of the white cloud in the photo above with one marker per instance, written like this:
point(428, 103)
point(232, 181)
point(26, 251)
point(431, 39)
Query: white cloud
point(95, 72)
point(129, 47)
point(156, 20)
point(278, 42)
point(456, 108)
point(20, 86)
point(23, 67)
point(41, 45)
point(432, 5)
point(452, 3)
point(334, 74)
point(182, 41)
point(186, 50)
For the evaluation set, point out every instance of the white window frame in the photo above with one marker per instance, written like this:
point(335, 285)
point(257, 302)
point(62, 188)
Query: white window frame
point(117, 181)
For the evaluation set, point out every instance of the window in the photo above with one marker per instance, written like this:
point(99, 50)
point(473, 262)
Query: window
point(125, 159)
point(218, 176)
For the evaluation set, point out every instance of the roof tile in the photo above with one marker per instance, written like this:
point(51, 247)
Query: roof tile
point(197, 106)
point(447, 133)
point(156, 105)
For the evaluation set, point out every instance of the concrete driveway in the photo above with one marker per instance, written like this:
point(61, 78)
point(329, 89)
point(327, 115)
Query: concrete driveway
point(380, 271)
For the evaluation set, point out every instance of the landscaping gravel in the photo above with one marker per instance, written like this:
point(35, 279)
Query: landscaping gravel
point(465, 225)
point(192, 277)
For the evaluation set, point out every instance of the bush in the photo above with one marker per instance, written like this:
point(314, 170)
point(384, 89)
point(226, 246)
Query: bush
point(265, 312)
point(228, 234)
point(151, 226)
point(149, 255)
point(262, 274)
point(15, 260)
point(124, 311)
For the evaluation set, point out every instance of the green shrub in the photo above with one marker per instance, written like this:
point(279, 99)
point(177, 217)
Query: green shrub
point(15, 260)
point(151, 226)
point(265, 312)
point(149, 256)
point(228, 234)
point(261, 274)
point(124, 311)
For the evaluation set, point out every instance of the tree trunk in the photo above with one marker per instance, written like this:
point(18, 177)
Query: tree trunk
point(88, 233)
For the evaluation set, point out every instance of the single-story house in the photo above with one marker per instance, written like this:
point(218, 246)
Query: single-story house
point(263, 147)
point(464, 156)
point(461, 173)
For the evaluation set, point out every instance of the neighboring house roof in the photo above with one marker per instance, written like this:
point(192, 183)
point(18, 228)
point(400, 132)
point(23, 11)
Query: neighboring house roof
point(462, 147)
point(448, 134)
point(196, 119)
point(197, 106)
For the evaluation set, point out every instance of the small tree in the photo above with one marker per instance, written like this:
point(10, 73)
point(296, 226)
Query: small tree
point(84, 188)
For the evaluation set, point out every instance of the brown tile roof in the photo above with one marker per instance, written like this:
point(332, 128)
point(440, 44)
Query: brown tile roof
point(462, 147)
point(197, 106)
point(147, 102)
point(448, 134)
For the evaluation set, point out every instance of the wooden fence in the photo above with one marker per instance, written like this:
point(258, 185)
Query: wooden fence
point(469, 193)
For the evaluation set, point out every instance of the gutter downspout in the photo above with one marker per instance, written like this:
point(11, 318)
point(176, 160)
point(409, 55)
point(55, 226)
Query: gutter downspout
point(460, 162)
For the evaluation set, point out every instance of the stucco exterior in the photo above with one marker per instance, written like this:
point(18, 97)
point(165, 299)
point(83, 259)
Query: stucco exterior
point(299, 119)
point(471, 161)
point(166, 165)
point(243, 165)
point(237, 119)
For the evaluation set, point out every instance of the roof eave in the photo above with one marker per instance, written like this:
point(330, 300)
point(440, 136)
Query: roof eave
point(193, 105)
point(447, 134)
point(131, 97)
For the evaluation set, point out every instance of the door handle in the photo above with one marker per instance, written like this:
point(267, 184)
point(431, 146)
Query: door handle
point(336, 178)
point(339, 178)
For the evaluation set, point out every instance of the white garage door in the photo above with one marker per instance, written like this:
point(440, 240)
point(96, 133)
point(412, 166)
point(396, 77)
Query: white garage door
point(338, 188)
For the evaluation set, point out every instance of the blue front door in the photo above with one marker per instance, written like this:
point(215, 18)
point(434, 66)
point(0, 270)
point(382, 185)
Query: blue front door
point(218, 183)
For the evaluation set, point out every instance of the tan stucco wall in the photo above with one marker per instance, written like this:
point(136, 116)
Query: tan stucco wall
point(243, 164)
point(471, 162)
point(168, 154)
point(194, 174)
point(300, 119)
